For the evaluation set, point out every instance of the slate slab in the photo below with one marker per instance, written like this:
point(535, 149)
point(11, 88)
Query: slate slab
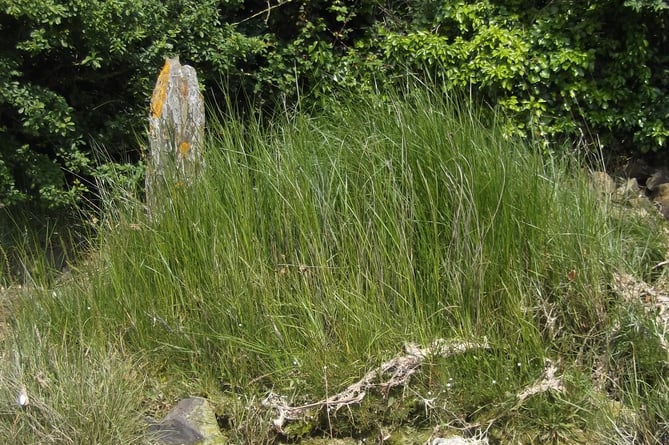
point(191, 422)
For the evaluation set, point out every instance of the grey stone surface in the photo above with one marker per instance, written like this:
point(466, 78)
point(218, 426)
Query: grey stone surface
point(191, 422)
point(176, 130)
point(175, 432)
point(661, 197)
point(603, 183)
point(656, 179)
point(629, 190)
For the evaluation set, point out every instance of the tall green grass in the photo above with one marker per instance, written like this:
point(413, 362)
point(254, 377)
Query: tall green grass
point(315, 246)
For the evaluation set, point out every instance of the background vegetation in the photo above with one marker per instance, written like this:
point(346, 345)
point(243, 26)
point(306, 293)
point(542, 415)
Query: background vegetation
point(76, 76)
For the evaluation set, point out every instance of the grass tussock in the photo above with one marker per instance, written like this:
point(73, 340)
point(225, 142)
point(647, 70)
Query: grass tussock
point(313, 248)
point(72, 394)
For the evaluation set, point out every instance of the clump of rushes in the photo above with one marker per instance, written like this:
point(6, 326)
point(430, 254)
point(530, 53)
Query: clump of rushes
point(326, 241)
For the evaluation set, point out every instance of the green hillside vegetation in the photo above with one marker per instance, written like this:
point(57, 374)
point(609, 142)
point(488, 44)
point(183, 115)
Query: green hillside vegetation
point(315, 246)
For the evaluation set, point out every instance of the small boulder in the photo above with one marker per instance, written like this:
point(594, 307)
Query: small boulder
point(661, 197)
point(628, 191)
point(603, 183)
point(656, 180)
point(191, 422)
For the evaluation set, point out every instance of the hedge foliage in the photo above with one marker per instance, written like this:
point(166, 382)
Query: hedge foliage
point(77, 74)
point(559, 68)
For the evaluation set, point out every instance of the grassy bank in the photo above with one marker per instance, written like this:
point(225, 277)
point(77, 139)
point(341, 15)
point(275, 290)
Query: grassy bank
point(311, 251)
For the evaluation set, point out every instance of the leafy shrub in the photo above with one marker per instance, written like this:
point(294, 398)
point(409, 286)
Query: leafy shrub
point(79, 71)
point(559, 68)
point(76, 72)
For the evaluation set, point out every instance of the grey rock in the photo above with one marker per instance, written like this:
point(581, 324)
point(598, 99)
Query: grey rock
point(190, 422)
point(176, 131)
point(661, 197)
point(603, 183)
point(175, 432)
point(657, 179)
point(628, 191)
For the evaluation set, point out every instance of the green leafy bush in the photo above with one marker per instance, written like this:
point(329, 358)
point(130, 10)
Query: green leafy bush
point(561, 69)
point(76, 72)
point(79, 74)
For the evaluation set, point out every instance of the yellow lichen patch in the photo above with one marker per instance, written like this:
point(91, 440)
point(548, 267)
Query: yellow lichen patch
point(184, 148)
point(184, 89)
point(160, 91)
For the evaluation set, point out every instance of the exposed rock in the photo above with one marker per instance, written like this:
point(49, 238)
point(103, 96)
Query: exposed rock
point(629, 190)
point(191, 422)
point(642, 206)
point(643, 200)
point(657, 179)
point(603, 183)
point(661, 197)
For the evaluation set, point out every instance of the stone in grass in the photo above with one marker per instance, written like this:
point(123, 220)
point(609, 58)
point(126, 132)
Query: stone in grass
point(661, 197)
point(656, 179)
point(191, 422)
point(603, 183)
point(628, 191)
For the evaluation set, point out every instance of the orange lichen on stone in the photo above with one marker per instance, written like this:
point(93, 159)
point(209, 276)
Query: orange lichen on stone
point(184, 148)
point(184, 89)
point(160, 91)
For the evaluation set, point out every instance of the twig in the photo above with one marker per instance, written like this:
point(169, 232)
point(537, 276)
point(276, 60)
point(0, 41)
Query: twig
point(661, 264)
point(547, 382)
point(400, 368)
point(264, 11)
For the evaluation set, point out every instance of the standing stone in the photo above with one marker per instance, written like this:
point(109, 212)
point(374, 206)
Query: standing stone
point(176, 130)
